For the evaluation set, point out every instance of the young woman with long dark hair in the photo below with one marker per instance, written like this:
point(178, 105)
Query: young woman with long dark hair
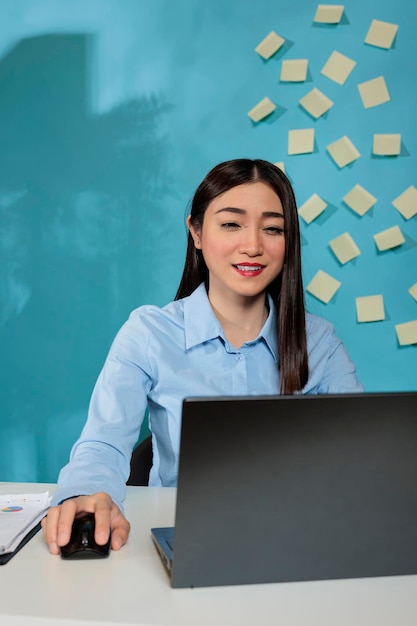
point(237, 326)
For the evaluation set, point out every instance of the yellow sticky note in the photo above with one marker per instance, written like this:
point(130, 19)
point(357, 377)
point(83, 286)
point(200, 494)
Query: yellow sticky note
point(343, 151)
point(407, 333)
point(389, 238)
point(323, 286)
point(381, 34)
point(344, 248)
point(312, 208)
point(294, 70)
point(370, 309)
point(301, 141)
point(338, 67)
point(359, 200)
point(406, 203)
point(386, 145)
point(374, 92)
point(329, 13)
point(280, 165)
point(413, 291)
point(268, 46)
point(316, 103)
point(262, 109)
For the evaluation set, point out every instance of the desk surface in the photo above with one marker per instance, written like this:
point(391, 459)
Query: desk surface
point(131, 586)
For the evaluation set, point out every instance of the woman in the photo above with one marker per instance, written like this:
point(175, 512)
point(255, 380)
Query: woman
point(237, 327)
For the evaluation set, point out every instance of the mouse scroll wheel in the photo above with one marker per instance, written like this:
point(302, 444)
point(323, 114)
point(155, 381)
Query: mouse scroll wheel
point(84, 539)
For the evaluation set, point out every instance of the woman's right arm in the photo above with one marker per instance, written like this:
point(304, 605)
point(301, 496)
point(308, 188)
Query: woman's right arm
point(100, 460)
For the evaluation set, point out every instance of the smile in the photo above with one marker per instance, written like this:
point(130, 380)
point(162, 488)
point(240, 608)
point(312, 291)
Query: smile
point(249, 270)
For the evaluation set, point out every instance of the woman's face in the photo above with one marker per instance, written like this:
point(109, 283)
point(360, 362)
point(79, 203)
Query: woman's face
point(242, 240)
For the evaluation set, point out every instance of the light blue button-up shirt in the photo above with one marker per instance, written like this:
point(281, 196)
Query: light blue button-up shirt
point(162, 355)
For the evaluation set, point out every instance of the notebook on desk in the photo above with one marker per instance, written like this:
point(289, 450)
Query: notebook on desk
point(294, 488)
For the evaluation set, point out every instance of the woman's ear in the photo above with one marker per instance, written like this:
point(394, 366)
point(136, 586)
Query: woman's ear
point(195, 233)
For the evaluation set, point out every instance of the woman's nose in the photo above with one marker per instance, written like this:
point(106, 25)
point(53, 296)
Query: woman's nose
point(251, 242)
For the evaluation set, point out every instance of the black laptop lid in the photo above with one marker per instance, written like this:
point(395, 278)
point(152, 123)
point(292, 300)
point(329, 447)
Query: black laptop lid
point(296, 488)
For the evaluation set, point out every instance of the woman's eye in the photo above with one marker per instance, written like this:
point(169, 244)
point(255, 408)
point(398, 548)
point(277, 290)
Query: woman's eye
point(274, 230)
point(230, 226)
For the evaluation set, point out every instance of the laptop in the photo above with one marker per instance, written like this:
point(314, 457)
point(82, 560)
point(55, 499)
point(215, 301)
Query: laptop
point(294, 488)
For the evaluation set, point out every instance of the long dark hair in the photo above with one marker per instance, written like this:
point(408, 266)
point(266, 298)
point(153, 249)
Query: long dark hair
point(287, 289)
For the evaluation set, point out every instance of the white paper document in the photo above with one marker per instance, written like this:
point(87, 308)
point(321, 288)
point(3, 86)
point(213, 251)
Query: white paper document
point(19, 513)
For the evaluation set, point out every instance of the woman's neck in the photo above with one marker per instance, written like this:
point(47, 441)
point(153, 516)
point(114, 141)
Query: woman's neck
point(241, 319)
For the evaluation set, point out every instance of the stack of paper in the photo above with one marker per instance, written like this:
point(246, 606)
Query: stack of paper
point(19, 514)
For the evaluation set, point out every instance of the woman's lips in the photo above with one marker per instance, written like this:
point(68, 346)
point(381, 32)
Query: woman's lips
point(249, 269)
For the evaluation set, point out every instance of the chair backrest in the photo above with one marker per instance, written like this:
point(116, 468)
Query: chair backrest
point(141, 463)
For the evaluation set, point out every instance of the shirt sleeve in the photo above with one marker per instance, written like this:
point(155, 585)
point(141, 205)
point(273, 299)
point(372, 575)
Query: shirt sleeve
point(330, 368)
point(100, 459)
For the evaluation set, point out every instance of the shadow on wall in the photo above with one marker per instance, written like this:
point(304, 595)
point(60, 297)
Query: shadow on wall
point(78, 205)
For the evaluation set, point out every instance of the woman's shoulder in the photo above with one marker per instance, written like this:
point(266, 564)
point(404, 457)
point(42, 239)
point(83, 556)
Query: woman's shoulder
point(152, 313)
point(146, 325)
point(173, 311)
point(318, 326)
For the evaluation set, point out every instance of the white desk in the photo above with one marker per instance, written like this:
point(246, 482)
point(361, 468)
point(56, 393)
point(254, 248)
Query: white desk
point(131, 587)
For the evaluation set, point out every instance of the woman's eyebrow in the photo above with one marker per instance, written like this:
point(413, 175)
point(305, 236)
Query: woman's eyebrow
point(231, 209)
point(272, 214)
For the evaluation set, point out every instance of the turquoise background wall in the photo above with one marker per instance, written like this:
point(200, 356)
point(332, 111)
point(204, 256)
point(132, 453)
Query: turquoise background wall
point(110, 114)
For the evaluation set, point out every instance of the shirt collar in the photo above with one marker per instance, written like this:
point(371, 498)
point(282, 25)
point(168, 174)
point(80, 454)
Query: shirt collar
point(202, 325)
point(269, 330)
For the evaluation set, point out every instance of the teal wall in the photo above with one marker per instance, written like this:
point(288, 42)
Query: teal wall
point(110, 114)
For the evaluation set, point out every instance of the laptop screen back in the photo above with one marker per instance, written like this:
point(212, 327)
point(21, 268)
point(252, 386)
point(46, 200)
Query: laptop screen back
point(296, 488)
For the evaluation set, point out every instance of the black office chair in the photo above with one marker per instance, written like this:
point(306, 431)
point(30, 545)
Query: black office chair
point(141, 463)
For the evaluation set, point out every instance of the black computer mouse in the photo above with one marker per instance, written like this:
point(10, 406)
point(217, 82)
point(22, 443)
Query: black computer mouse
point(82, 544)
